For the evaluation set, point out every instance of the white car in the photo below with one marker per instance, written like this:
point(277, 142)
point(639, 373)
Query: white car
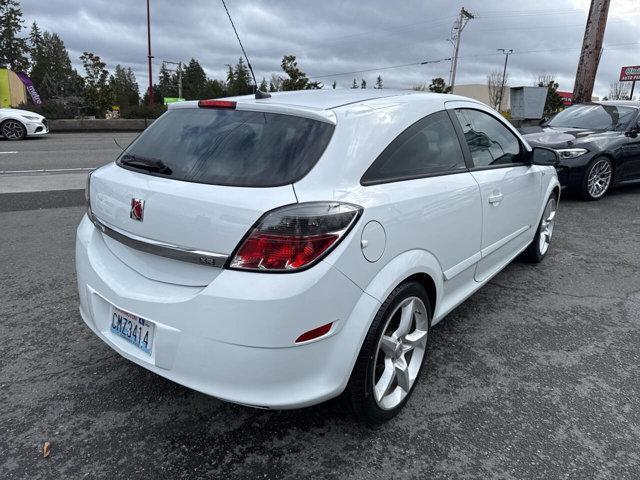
point(17, 124)
point(280, 252)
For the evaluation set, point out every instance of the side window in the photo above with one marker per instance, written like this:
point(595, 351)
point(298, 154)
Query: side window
point(490, 142)
point(427, 147)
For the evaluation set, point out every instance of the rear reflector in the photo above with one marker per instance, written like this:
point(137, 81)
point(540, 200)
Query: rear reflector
point(315, 333)
point(216, 104)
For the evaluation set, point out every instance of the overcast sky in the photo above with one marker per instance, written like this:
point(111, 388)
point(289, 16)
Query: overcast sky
point(337, 37)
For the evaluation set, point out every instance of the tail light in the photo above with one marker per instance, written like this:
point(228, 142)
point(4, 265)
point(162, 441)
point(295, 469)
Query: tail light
point(295, 237)
point(216, 104)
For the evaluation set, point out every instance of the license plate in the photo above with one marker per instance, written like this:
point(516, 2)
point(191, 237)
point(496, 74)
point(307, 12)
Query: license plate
point(133, 329)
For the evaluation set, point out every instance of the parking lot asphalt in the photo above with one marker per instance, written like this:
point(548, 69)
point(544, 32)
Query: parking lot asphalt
point(62, 151)
point(534, 376)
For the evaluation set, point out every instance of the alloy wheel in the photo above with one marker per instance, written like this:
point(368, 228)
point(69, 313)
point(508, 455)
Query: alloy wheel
point(599, 178)
point(546, 226)
point(12, 130)
point(400, 353)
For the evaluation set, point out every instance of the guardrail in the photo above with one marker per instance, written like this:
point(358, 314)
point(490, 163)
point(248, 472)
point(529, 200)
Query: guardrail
point(100, 125)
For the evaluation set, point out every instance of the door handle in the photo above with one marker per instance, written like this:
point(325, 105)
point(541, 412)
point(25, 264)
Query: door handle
point(495, 199)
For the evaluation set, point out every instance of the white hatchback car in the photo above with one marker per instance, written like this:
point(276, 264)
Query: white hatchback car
point(280, 252)
point(17, 124)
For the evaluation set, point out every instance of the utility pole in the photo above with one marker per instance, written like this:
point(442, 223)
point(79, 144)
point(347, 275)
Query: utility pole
point(149, 56)
point(456, 33)
point(591, 51)
point(504, 74)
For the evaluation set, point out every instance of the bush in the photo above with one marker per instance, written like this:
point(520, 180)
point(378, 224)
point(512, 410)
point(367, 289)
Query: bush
point(55, 109)
point(143, 111)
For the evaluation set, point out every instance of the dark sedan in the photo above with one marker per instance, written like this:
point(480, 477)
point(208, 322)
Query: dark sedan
point(598, 143)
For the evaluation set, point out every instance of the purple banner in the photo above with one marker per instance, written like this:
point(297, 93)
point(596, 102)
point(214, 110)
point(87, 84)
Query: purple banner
point(35, 96)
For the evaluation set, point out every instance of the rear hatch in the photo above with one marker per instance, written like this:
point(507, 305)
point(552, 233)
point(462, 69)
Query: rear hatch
point(205, 175)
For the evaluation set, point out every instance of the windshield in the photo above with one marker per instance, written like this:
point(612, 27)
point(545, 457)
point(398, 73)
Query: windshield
point(228, 147)
point(594, 117)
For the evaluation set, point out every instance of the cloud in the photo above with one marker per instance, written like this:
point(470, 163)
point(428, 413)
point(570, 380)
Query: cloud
point(334, 37)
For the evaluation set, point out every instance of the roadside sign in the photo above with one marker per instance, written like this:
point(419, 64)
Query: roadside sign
point(630, 74)
point(567, 98)
point(168, 100)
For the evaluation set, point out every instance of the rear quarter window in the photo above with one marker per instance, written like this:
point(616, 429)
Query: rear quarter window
point(229, 147)
point(428, 147)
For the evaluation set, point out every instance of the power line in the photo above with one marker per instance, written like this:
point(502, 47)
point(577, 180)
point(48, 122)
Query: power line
point(424, 23)
point(612, 46)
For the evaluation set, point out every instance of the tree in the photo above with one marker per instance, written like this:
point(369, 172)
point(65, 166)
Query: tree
point(158, 97)
point(194, 81)
point(167, 83)
point(124, 87)
point(239, 79)
point(619, 91)
point(36, 43)
point(97, 94)
point(495, 85)
point(363, 84)
point(215, 89)
point(243, 82)
point(51, 70)
point(438, 85)
point(355, 84)
point(379, 84)
point(13, 49)
point(275, 84)
point(297, 78)
point(553, 102)
point(263, 85)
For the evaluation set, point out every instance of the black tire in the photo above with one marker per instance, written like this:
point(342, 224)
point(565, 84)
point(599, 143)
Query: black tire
point(534, 252)
point(17, 129)
point(583, 191)
point(359, 394)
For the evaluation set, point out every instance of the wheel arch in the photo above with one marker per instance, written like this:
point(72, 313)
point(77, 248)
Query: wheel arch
point(21, 122)
point(418, 265)
point(428, 284)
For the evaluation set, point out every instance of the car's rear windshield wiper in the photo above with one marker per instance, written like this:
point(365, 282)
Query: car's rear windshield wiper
point(143, 163)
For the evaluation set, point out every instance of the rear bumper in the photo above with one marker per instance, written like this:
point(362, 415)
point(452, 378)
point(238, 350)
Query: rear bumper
point(233, 339)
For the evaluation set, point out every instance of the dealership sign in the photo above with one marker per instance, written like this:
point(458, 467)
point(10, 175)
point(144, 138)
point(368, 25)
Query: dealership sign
point(567, 98)
point(630, 74)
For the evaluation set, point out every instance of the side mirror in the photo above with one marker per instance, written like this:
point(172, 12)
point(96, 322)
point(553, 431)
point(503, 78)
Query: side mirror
point(544, 156)
point(632, 132)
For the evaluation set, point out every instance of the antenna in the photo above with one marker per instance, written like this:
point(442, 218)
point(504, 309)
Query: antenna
point(259, 94)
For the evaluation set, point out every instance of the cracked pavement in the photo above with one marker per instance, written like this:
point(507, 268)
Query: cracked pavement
point(534, 376)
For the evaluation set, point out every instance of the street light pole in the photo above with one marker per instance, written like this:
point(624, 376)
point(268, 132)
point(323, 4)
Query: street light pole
point(149, 56)
point(504, 74)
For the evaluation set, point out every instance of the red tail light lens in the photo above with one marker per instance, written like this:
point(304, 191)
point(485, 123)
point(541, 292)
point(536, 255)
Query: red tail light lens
point(295, 237)
point(216, 104)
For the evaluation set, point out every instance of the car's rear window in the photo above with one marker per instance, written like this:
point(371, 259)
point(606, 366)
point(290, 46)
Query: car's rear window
point(229, 147)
